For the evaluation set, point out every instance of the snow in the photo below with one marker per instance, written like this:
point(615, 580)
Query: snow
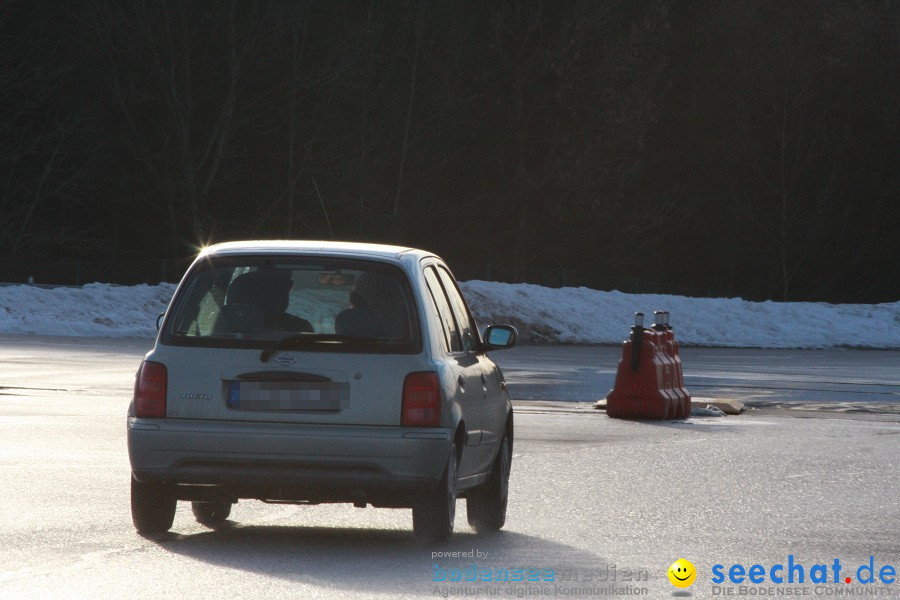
point(708, 411)
point(542, 315)
point(586, 316)
point(96, 309)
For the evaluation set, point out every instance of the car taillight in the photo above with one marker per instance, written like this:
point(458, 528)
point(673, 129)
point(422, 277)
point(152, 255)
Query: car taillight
point(150, 390)
point(421, 400)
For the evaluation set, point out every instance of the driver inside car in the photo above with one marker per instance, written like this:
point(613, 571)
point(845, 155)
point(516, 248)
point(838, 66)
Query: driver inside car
point(269, 290)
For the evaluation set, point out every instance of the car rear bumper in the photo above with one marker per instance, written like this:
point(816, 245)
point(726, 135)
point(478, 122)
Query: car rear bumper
point(385, 466)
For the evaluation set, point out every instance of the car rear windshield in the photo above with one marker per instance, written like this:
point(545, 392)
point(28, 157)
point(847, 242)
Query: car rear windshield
point(294, 303)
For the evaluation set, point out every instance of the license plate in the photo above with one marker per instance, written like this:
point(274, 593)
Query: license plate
point(276, 396)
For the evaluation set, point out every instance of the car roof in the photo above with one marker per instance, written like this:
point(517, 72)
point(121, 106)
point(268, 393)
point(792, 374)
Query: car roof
point(355, 249)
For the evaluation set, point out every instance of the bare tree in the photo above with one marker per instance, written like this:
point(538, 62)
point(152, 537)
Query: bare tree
point(792, 128)
point(400, 78)
point(183, 118)
point(580, 94)
point(42, 168)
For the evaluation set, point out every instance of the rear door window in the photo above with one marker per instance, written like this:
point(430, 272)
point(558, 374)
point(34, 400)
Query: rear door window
point(463, 319)
point(452, 339)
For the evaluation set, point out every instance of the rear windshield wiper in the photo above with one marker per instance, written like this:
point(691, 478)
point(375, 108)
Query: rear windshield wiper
point(302, 339)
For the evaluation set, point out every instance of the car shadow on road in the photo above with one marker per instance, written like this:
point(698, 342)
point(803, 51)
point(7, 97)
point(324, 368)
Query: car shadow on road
point(379, 560)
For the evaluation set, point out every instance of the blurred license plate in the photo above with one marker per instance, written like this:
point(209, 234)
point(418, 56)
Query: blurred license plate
point(286, 396)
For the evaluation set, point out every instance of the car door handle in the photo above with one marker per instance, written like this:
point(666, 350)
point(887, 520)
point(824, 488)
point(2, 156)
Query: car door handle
point(461, 381)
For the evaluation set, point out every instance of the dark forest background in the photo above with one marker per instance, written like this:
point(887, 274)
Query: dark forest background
point(746, 148)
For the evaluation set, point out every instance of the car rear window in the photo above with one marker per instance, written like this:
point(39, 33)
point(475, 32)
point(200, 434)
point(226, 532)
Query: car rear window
point(307, 303)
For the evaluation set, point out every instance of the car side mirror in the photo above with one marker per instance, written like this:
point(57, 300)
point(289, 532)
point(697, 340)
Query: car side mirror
point(498, 337)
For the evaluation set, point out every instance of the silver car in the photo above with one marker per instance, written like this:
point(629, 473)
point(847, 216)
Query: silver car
point(313, 372)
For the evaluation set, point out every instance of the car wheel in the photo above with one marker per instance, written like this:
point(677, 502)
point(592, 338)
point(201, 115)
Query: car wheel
point(486, 505)
point(211, 513)
point(435, 513)
point(152, 506)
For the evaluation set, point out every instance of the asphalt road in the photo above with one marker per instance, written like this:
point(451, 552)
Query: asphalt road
point(604, 505)
point(836, 380)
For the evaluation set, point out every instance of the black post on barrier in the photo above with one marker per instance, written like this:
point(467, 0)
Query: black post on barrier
point(637, 334)
point(658, 321)
point(661, 320)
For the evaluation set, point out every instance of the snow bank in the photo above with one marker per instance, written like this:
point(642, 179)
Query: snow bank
point(543, 315)
point(96, 309)
point(585, 316)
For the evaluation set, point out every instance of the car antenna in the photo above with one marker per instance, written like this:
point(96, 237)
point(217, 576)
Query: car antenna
point(322, 202)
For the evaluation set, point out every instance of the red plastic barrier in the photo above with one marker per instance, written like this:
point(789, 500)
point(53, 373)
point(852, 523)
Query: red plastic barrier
point(679, 375)
point(649, 381)
point(684, 397)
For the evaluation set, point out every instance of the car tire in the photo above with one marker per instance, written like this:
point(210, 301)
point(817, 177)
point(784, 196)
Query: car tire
point(211, 513)
point(486, 505)
point(435, 513)
point(152, 506)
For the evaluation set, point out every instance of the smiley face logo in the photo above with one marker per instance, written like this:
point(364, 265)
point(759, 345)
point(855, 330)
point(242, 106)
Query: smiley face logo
point(682, 573)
